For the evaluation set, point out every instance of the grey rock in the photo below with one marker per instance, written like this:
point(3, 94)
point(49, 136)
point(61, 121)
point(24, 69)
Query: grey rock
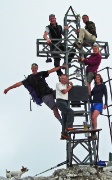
point(108, 173)
point(92, 170)
point(86, 173)
point(74, 173)
point(109, 163)
point(109, 168)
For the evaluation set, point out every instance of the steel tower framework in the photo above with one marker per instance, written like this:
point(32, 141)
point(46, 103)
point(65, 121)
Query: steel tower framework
point(78, 96)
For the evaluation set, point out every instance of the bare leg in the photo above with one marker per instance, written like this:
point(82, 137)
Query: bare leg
point(56, 113)
point(94, 118)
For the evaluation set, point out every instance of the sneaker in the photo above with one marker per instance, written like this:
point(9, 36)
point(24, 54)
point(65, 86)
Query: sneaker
point(78, 44)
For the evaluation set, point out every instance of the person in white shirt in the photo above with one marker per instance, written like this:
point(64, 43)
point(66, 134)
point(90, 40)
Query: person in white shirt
point(62, 102)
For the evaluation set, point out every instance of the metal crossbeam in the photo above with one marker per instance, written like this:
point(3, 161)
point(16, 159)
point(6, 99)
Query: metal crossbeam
point(72, 20)
point(44, 49)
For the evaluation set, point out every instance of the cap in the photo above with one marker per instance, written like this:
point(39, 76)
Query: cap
point(34, 64)
point(51, 15)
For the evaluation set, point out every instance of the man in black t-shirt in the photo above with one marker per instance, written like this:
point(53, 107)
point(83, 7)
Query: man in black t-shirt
point(37, 81)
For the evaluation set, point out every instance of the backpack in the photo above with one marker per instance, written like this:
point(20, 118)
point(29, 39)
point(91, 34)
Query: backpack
point(33, 94)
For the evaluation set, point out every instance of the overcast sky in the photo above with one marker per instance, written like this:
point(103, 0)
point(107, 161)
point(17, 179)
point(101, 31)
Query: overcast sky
point(32, 139)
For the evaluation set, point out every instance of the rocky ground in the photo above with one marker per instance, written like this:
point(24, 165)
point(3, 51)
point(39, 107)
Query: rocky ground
point(75, 173)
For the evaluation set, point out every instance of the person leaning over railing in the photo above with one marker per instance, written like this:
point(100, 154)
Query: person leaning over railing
point(92, 64)
point(55, 31)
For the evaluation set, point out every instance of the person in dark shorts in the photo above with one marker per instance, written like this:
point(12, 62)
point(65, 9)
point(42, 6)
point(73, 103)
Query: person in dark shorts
point(97, 106)
point(92, 64)
point(37, 81)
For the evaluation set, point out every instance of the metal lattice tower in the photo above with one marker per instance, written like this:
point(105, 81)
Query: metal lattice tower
point(79, 95)
point(91, 147)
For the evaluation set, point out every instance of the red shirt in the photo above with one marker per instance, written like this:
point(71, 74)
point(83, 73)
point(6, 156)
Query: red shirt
point(93, 63)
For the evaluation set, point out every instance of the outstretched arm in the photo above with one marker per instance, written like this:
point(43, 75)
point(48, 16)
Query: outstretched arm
point(56, 69)
point(13, 86)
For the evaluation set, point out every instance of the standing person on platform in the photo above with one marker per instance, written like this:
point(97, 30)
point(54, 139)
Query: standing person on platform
point(98, 91)
point(92, 63)
point(89, 33)
point(63, 105)
point(37, 81)
point(55, 31)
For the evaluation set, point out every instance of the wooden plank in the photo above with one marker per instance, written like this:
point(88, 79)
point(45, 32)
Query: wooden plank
point(75, 131)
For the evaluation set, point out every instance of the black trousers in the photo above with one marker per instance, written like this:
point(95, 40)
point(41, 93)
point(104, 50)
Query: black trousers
point(67, 114)
point(57, 57)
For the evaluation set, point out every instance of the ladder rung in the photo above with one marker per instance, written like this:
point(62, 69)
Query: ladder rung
point(80, 113)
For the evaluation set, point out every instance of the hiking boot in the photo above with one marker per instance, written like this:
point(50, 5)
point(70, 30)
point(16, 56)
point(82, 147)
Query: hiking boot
point(64, 137)
point(70, 129)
